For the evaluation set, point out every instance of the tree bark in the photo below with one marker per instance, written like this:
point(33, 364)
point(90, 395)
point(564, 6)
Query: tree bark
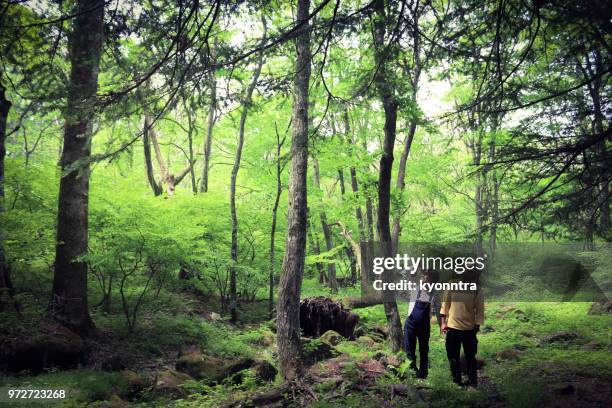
point(353, 174)
point(384, 85)
point(246, 104)
point(212, 108)
point(401, 183)
point(327, 233)
point(316, 248)
point(415, 74)
point(288, 309)
point(69, 301)
point(190, 131)
point(146, 141)
point(6, 285)
point(279, 190)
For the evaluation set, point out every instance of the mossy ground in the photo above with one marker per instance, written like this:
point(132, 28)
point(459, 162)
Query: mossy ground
point(575, 372)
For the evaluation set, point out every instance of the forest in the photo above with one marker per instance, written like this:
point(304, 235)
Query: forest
point(189, 188)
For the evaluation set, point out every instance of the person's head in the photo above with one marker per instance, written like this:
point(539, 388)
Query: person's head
point(428, 275)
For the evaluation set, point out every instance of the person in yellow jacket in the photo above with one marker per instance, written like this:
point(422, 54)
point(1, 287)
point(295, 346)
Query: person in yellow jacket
point(462, 314)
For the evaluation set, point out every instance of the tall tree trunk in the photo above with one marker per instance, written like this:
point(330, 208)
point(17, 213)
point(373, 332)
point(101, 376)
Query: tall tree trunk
point(478, 196)
point(353, 174)
point(146, 141)
point(288, 309)
point(316, 248)
point(384, 85)
point(279, 190)
point(415, 75)
point(190, 130)
point(212, 108)
point(6, 286)
point(69, 301)
point(246, 104)
point(401, 180)
point(327, 233)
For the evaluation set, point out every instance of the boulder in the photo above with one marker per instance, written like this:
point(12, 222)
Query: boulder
point(198, 365)
point(58, 347)
point(168, 383)
point(314, 350)
point(266, 339)
point(134, 383)
point(331, 337)
point(366, 341)
point(234, 367)
point(211, 369)
point(601, 307)
point(265, 371)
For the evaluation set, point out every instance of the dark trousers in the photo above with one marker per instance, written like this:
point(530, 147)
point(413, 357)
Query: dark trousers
point(417, 330)
point(454, 340)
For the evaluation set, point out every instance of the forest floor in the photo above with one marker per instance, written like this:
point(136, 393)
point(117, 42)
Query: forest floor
point(533, 354)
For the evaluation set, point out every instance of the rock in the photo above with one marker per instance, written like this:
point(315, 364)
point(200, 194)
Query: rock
point(314, 350)
point(57, 348)
point(199, 365)
point(134, 383)
point(331, 337)
point(168, 383)
point(213, 317)
point(601, 307)
point(568, 336)
point(114, 363)
point(235, 367)
point(211, 369)
point(266, 339)
point(487, 329)
point(265, 371)
point(366, 341)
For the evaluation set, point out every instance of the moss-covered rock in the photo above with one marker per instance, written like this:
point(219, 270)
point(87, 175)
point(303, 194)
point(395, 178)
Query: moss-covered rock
point(331, 337)
point(168, 383)
point(195, 363)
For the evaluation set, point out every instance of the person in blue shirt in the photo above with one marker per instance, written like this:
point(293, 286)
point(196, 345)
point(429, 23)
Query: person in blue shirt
point(417, 327)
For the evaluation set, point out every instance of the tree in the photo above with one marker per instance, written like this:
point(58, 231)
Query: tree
point(212, 108)
point(69, 300)
point(288, 310)
point(6, 286)
point(385, 87)
point(246, 105)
